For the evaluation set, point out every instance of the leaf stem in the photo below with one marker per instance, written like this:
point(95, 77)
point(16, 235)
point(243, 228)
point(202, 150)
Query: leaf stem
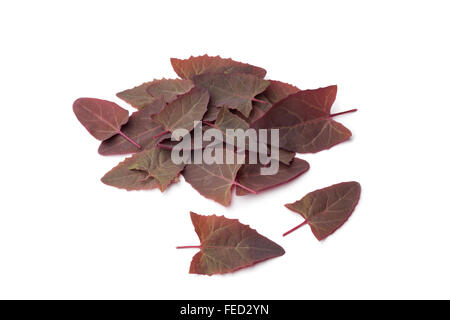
point(260, 101)
point(244, 187)
point(189, 247)
point(161, 134)
point(297, 227)
point(343, 112)
point(146, 178)
point(129, 139)
point(209, 124)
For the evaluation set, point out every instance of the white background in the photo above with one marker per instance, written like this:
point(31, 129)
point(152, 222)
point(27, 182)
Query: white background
point(64, 234)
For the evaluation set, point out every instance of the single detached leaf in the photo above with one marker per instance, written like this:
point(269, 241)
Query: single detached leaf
point(234, 91)
point(250, 176)
point(140, 127)
point(228, 245)
point(165, 89)
point(313, 136)
point(183, 111)
point(124, 178)
point(327, 209)
point(213, 181)
point(188, 68)
point(101, 118)
point(157, 163)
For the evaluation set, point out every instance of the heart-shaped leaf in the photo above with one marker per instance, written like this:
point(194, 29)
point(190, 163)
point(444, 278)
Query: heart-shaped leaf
point(188, 68)
point(327, 209)
point(234, 91)
point(183, 111)
point(140, 127)
point(250, 176)
point(101, 118)
point(228, 245)
point(165, 89)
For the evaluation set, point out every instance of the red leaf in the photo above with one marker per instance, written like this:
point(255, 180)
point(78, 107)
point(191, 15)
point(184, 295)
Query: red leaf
point(327, 209)
point(298, 108)
point(157, 163)
point(304, 121)
point(167, 143)
point(250, 176)
point(260, 106)
point(278, 90)
point(275, 92)
point(147, 93)
point(211, 113)
point(227, 120)
point(101, 118)
point(228, 245)
point(123, 177)
point(140, 127)
point(313, 136)
point(234, 91)
point(188, 68)
point(183, 111)
point(214, 181)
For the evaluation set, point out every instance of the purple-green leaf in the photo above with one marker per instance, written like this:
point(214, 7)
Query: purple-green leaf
point(183, 111)
point(188, 68)
point(157, 163)
point(165, 89)
point(101, 118)
point(140, 127)
point(275, 92)
point(124, 178)
point(214, 181)
point(228, 245)
point(313, 136)
point(250, 176)
point(227, 120)
point(327, 209)
point(234, 91)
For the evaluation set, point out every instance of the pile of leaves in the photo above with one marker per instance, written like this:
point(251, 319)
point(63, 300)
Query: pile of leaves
point(223, 94)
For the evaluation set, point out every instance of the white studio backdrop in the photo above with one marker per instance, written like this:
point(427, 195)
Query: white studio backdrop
point(64, 234)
